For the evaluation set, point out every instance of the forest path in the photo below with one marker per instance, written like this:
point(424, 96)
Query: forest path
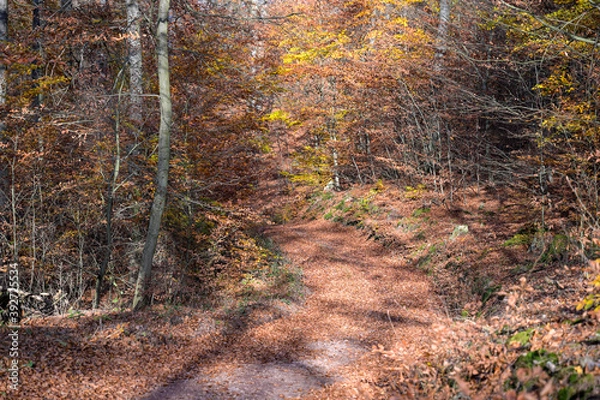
point(359, 295)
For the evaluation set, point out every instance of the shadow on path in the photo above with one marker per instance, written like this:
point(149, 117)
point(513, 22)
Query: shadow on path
point(360, 296)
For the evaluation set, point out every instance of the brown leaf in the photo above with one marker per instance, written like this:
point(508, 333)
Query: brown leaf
point(594, 265)
point(512, 299)
point(463, 386)
point(511, 395)
point(523, 375)
point(548, 388)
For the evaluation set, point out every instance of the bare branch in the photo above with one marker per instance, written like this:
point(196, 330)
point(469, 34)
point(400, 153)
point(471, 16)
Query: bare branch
point(552, 27)
point(199, 14)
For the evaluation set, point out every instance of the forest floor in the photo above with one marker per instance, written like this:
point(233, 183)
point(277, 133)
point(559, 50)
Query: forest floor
point(358, 297)
point(400, 296)
point(358, 300)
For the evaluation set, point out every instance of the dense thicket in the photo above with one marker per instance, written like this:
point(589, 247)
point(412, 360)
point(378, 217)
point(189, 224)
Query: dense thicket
point(442, 93)
point(448, 94)
point(77, 172)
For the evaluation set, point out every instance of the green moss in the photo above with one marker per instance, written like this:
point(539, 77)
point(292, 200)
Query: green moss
point(557, 248)
point(522, 338)
point(519, 239)
point(579, 386)
point(421, 211)
point(542, 358)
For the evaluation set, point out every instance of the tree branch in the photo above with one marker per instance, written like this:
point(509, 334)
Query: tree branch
point(552, 27)
point(199, 14)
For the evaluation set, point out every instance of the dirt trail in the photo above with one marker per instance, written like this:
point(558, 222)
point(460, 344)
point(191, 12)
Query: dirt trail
point(359, 295)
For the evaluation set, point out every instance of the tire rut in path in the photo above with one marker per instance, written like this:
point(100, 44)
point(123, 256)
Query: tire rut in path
point(359, 296)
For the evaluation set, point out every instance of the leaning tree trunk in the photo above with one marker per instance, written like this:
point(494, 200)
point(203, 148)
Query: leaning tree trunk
point(162, 172)
point(66, 5)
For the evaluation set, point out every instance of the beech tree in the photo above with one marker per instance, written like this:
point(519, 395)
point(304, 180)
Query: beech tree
point(77, 172)
point(442, 33)
point(433, 92)
point(134, 59)
point(162, 170)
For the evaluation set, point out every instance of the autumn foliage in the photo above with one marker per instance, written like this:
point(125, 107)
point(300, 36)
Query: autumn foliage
point(67, 129)
point(437, 99)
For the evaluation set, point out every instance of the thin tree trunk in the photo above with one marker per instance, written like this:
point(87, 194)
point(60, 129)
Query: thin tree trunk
point(66, 5)
point(336, 167)
point(110, 200)
point(108, 249)
point(134, 59)
point(13, 203)
point(442, 34)
point(332, 128)
point(33, 234)
point(3, 38)
point(36, 71)
point(162, 173)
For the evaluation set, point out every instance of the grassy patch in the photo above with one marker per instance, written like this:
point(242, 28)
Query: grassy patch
point(266, 278)
point(421, 211)
point(520, 239)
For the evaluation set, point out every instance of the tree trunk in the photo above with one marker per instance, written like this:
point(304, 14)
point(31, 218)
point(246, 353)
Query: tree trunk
point(66, 5)
point(13, 203)
point(36, 71)
point(442, 34)
point(3, 38)
point(110, 200)
point(162, 172)
point(134, 59)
